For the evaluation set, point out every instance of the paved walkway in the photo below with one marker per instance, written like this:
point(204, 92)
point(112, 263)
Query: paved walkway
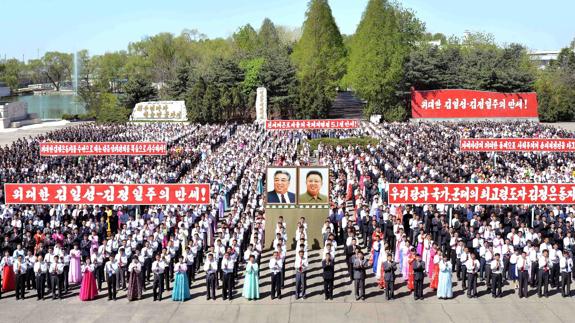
point(7, 136)
point(314, 308)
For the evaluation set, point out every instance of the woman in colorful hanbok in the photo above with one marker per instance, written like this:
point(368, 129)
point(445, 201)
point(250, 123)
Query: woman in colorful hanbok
point(410, 277)
point(251, 288)
point(435, 265)
point(181, 290)
point(8, 277)
point(88, 289)
point(444, 285)
point(135, 280)
point(75, 271)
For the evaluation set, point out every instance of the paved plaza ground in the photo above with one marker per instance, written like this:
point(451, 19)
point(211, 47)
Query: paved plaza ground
point(344, 307)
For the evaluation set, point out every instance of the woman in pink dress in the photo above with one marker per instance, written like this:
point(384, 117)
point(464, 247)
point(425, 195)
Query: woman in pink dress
point(75, 274)
point(431, 265)
point(94, 243)
point(88, 291)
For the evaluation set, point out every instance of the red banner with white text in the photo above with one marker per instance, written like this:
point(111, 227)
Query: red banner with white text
point(517, 144)
point(487, 193)
point(107, 194)
point(102, 148)
point(312, 124)
point(472, 104)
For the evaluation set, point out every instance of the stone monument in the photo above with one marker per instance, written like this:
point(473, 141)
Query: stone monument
point(15, 115)
point(261, 104)
point(160, 111)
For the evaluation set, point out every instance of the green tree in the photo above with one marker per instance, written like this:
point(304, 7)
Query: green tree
point(383, 40)
point(138, 90)
point(319, 56)
point(57, 67)
point(194, 100)
point(110, 111)
point(10, 72)
point(556, 89)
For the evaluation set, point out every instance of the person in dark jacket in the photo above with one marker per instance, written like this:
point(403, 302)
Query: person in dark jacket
point(328, 276)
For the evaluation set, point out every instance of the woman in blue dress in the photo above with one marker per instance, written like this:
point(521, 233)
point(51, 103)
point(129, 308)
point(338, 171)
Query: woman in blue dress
point(444, 285)
point(181, 290)
point(251, 282)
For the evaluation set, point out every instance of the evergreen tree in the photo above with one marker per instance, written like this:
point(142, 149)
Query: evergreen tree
point(383, 40)
point(319, 56)
point(194, 100)
point(138, 90)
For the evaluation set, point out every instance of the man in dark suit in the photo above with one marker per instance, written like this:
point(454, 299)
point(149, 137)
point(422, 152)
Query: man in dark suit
point(418, 275)
point(349, 252)
point(328, 273)
point(389, 268)
point(280, 193)
point(359, 266)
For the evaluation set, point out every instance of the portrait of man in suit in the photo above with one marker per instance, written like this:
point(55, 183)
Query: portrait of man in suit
point(313, 186)
point(282, 181)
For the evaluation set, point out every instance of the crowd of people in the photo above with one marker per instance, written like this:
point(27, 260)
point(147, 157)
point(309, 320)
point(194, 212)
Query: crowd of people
point(154, 248)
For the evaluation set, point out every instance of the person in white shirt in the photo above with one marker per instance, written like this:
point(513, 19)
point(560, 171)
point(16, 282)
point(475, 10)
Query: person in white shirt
point(158, 271)
point(497, 268)
point(56, 275)
point(472, 267)
point(554, 255)
point(210, 267)
point(30, 260)
point(300, 266)
point(534, 259)
point(20, 269)
point(112, 271)
point(523, 266)
point(566, 266)
point(40, 270)
point(275, 266)
point(543, 276)
point(228, 271)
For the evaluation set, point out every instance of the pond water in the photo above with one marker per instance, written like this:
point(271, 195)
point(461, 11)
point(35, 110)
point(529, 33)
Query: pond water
point(53, 106)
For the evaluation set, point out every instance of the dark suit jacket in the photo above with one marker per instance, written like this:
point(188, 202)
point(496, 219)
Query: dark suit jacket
point(389, 271)
point(328, 270)
point(359, 268)
point(273, 197)
point(418, 270)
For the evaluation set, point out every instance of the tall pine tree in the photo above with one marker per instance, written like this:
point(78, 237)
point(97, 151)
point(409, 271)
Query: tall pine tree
point(379, 48)
point(319, 57)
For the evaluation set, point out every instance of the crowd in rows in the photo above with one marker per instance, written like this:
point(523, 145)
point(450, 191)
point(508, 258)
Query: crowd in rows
point(140, 248)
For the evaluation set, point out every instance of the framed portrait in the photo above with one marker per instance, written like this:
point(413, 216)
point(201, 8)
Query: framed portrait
point(313, 185)
point(281, 185)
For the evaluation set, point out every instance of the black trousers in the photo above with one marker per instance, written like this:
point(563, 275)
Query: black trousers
point(328, 288)
point(555, 272)
point(167, 276)
point(65, 278)
point(464, 276)
point(56, 283)
point(566, 284)
point(228, 285)
point(534, 273)
point(112, 286)
point(147, 270)
point(100, 277)
point(418, 286)
point(543, 282)
point(496, 285)
point(211, 285)
point(276, 285)
point(122, 274)
point(389, 289)
point(523, 283)
point(20, 286)
point(472, 290)
point(158, 286)
point(30, 279)
point(40, 285)
point(359, 288)
point(191, 274)
point(488, 276)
